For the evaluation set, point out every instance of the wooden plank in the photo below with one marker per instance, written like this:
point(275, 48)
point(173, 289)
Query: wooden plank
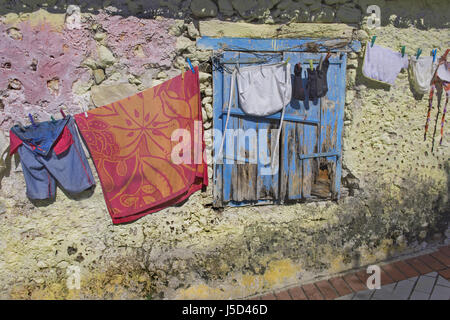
point(275, 116)
point(324, 184)
point(267, 184)
point(294, 183)
point(277, 45)
point(342, 84)
point(309, 146)
point(296, 172)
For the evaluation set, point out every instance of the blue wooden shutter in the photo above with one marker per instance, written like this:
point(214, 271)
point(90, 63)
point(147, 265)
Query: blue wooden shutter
point(311, 141)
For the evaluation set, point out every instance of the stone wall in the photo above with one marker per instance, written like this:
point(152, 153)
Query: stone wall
point(57, 55)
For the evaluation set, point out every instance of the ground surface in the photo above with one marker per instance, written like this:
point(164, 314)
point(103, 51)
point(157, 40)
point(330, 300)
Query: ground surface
point(423, 277)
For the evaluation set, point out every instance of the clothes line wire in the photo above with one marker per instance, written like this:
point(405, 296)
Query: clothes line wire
point(214, 60)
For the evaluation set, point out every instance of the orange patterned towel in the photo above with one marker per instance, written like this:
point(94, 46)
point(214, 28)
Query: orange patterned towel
point(130, 141)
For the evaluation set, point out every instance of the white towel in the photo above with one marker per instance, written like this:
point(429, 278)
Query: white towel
point(383, 64)
point(264, 89)
point(422, 71)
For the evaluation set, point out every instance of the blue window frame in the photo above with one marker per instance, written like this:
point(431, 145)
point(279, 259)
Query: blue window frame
point(310, 152)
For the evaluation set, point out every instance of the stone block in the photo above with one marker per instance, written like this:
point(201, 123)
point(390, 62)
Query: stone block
point(324, 14)
point(348, 14)
point(104, 94)
point(105, 56)
point(204, 8)
point(225, 7)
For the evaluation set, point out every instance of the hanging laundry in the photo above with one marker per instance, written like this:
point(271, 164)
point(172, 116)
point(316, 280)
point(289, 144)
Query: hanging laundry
point(443, 71)
point(422, 71)
point(439, 83)
point(298, 91)
point(447, 96)
point(383, 64)
point(130, 143)
point(262, 90)
point(51, 152)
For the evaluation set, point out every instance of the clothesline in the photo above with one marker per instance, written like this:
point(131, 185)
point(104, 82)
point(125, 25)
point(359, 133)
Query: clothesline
point(312, 46)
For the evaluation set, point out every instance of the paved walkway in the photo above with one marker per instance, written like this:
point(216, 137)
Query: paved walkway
point(425, 277)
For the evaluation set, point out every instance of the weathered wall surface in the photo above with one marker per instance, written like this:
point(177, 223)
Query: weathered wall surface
point(396, 190)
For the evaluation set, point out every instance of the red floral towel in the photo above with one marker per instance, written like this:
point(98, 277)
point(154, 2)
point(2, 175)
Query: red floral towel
point(131, 144)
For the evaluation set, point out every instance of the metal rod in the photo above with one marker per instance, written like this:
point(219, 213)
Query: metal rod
point(239, 113)
point(319, 155)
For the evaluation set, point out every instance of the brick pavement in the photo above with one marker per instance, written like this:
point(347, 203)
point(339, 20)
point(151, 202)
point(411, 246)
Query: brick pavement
point(425, 277)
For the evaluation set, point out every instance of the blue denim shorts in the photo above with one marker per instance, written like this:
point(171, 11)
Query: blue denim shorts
point(51, 153)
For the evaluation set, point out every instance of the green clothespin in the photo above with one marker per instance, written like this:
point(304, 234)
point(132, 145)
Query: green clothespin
point(53, 119)
point(403, 51)
point(373, 40)
point(311, 64)
point(419, 51)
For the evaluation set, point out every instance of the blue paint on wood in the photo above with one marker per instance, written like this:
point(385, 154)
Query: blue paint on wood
point(271, 45)
point(309, 134)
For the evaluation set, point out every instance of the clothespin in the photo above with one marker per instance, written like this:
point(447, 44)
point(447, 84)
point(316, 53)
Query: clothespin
point(403, 51)
point(62, 113)
point(182, 72)
point(373, 40)
point(434, 52)
point(419, 51)
point(287, 60)
point(31, 119)
point(53, 119)
point(190, 65)
point(328, 56)
point(311, 64)
point(444, 56)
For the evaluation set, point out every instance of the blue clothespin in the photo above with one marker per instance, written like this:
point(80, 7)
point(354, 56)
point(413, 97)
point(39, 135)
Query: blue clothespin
point(190, 65)
point(31, 119)
point(419, 51)
point(373, 40)
point(434, 52)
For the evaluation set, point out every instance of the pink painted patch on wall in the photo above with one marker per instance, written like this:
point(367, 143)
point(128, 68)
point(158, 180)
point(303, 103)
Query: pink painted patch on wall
point(37, 69)
point(139, 43)
point(38, 65)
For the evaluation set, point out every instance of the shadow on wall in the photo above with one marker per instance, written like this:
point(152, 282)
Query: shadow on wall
point(423, 14)
point(5, 171)
point(395, 218)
